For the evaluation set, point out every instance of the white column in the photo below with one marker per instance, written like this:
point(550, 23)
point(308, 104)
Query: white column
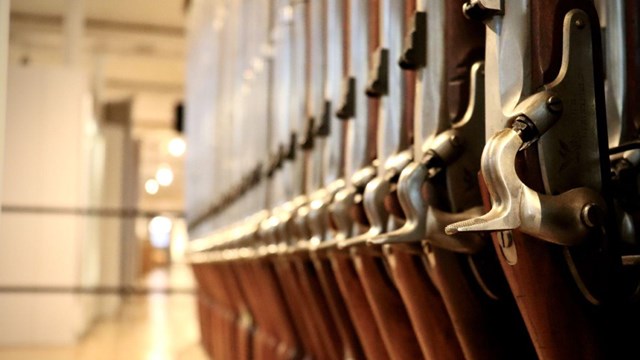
point(4, 56)
point(73, 27)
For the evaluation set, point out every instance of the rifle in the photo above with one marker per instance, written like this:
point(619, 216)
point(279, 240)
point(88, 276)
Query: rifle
point(433, 328)
point(291, 268)
point(228, 331)
point(356, 112)
point(406, 261)
point(387, 305)
point(331, 144)
point(318, 295)
point(277, 330)
point(546, 161)
point(276, 228)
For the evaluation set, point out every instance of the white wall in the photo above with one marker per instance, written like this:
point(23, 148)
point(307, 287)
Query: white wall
point(47, 140)
point(109, 228)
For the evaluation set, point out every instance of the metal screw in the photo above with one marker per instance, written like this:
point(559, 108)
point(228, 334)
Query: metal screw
point(592, 215)
point(554, 104)
point(579, 23)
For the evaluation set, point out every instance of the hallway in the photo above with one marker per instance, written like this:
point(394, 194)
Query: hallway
point(158, 326)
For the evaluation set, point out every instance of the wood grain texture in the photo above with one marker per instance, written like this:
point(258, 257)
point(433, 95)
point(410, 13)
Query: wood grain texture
point(315, 302)
point(561, 325)
point(341, 316)
point(266, 301)
point(301, 318)
point(398, 334)
point(424, 305)
point(358, 306)
point(486, 328)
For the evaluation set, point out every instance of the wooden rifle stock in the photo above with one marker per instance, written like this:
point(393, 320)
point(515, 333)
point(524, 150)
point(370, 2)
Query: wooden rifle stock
point(316, 303)
point(358, 306)
point(561, 323)
point(242, 340)
point(488, 328)
point(275, 332)
point(218, 312)
point(302, 317)
point(388, 309)
point(224, 314)
point(204, 309)
point(342, 318)
point(424, 304)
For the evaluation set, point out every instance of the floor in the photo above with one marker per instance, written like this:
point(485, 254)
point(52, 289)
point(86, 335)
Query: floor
point(151, 327)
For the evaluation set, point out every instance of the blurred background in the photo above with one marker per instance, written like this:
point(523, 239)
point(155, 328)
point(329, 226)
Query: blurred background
point(92, 230)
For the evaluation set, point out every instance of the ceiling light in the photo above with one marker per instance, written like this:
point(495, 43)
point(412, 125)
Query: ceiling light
point(164, 175)
point(177, 147)
point(160, 231)
point(151, 186)
point(160, 225)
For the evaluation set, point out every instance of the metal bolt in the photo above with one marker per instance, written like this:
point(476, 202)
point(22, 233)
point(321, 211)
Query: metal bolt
point(579, 23)
point(554, 104)
point(592, 215)
point(455, 140)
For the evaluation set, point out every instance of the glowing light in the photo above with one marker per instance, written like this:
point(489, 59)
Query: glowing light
point(160, 224)
point(177, 147)
point(164, 175)
point(160, 231)
point(151, 186)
